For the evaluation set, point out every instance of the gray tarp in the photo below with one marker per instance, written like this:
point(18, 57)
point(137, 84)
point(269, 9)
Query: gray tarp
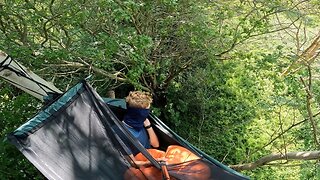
point(72, 138)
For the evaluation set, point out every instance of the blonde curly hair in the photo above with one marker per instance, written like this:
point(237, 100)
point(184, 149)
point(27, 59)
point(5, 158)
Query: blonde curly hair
point(139, 99)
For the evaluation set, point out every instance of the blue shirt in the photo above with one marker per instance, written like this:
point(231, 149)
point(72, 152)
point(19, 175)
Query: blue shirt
point(140, 134)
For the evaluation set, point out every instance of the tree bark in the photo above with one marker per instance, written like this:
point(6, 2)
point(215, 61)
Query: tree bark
point(304, 155)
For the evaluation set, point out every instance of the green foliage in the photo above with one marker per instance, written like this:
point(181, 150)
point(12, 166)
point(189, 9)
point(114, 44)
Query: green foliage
point(15, 108)
point(310, 170)
point(214, 112)
point(214, 68)
point(145, 44)
point(231, 110)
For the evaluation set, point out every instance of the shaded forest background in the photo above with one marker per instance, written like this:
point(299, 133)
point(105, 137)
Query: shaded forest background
point(237, 78)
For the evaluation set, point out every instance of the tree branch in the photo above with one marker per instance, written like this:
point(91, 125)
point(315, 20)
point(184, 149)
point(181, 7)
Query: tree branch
point(303, 155)
point(84, 64)
point(288, 129)
point(307, 57)
point(237, 41)
point(307, 88)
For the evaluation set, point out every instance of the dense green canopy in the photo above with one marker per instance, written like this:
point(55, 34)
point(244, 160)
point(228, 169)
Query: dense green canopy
point(237, 78)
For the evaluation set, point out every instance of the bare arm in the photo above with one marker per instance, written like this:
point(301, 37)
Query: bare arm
point(154, 142)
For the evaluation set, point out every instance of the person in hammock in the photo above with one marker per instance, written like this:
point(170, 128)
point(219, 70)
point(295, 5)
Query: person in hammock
point(137, 123)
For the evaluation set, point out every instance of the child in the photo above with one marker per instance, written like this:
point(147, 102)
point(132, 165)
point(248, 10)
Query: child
point(136, 121)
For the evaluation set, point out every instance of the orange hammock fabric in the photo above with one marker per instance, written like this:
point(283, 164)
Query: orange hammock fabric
point(180, 162)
